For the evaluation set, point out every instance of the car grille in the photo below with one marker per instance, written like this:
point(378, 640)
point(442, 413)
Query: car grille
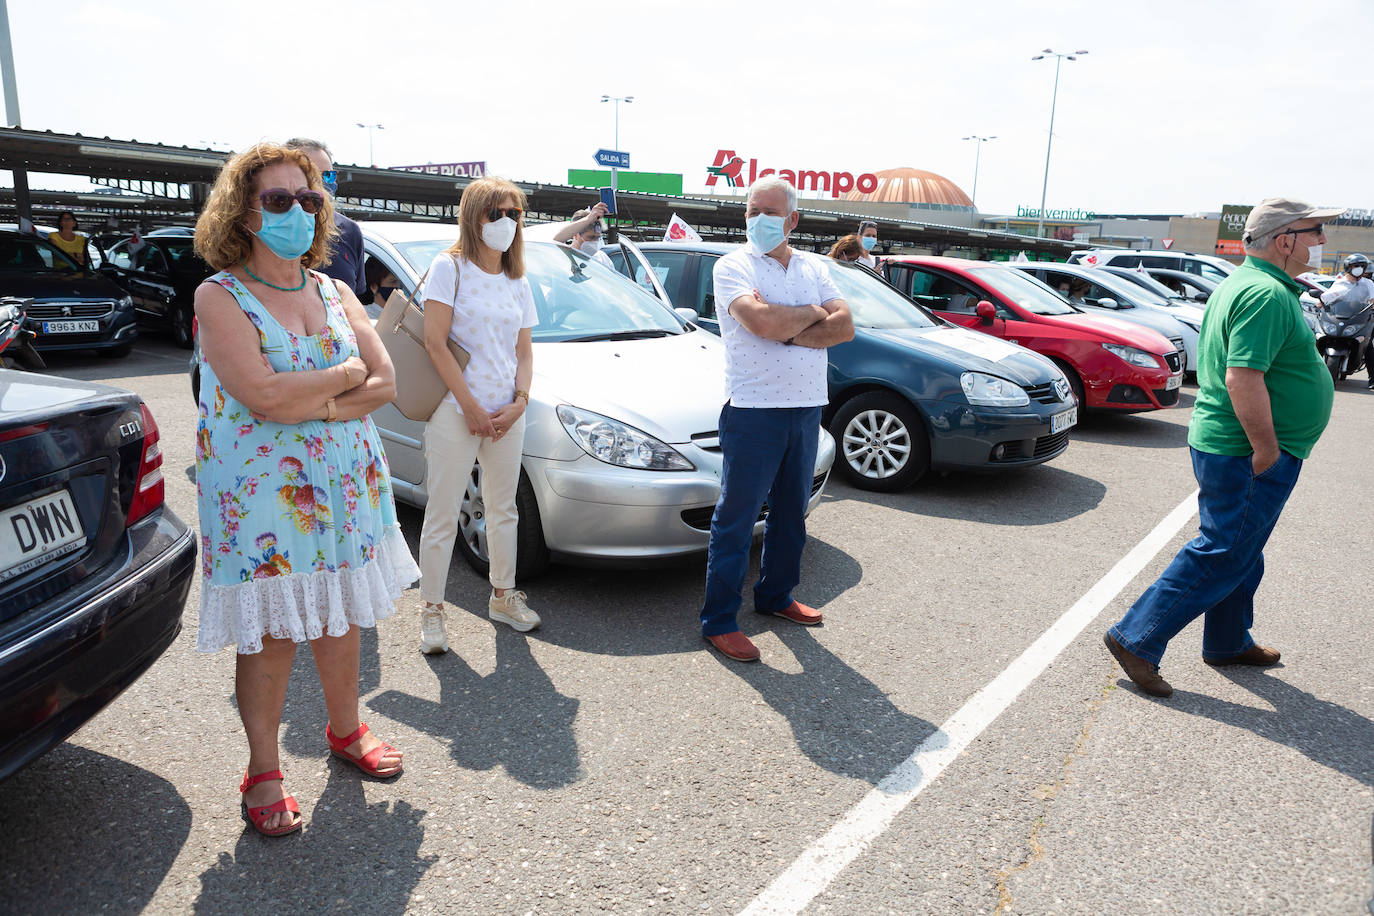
point(49, 311)
point(700, 517)
point(1044, 394)
point(1175, 359)
point(1043, 447)
point(1166, 398)
point(1046, 446)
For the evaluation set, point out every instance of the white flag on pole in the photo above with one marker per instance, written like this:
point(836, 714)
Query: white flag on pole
point(1022, 259)
point(679, 231)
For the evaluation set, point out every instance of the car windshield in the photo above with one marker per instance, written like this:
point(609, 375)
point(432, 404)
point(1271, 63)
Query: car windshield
point(182, 251)
point(874, 304)
point(576, 299)
point(1129, 294)
point(32, 256)
point(1024, 290)
point(1150, 284)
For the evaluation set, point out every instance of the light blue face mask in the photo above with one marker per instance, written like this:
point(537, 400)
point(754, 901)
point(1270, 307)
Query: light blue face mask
point(287, 235)
point(869, 242)
point(765, 232)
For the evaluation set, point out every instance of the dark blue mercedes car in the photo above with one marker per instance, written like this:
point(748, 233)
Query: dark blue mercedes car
point(911, 392)
point(94, 568)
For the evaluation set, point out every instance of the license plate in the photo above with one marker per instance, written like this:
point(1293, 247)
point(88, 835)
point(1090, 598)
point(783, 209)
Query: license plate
point(38, 531)
point(1062, 421)
point(1173, 382)
point(70, 327)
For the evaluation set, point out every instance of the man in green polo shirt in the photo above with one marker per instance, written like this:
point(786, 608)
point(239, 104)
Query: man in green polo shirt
point(1264, 398)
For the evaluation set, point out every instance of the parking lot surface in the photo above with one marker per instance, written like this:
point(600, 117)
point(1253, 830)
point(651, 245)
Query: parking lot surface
point(608, 763)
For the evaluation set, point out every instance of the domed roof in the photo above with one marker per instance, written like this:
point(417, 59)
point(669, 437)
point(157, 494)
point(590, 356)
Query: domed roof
point(914, 186)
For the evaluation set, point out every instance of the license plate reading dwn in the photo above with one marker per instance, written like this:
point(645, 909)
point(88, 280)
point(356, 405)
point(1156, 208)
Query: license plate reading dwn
point(38, 531)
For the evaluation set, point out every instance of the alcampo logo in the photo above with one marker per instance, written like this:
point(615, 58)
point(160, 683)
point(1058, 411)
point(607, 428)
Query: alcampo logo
point(730, 166)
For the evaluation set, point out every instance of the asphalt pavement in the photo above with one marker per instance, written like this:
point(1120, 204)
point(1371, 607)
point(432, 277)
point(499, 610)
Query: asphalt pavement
point(608, 763)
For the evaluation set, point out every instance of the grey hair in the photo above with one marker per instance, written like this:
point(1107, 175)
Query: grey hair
point(774, 183)
point(1262, 242)
point(305, 145)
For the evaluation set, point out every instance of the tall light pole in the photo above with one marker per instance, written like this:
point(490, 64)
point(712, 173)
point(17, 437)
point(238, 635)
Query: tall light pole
point(371, 159)
point(627, 99)
point(1058, 59)
point(21, 177)
point(978, 151)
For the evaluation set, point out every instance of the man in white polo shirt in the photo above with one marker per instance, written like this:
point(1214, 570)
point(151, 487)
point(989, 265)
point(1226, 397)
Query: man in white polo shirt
point(781, 311)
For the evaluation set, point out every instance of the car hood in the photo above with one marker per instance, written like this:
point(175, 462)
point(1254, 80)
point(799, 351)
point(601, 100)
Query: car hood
point(58, 286)
point(964, 350)
point(669, 387)
point(1114, 330)
point(1153, 318)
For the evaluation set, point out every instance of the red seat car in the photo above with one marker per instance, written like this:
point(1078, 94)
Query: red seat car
point(1109, 363)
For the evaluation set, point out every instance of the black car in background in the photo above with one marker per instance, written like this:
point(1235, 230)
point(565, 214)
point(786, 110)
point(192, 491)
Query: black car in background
point(161, 273)
point(72, 308)
point(94, 568)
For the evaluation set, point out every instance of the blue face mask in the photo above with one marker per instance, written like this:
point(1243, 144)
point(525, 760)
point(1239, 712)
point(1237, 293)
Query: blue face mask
point(869, 242)
point(765, 232)
point(287, 235)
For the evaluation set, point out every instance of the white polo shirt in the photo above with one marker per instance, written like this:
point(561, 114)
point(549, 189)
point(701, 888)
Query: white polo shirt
point(768, 373)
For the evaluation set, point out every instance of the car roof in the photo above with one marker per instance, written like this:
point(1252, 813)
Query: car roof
point(941, 261)
point(409, 230)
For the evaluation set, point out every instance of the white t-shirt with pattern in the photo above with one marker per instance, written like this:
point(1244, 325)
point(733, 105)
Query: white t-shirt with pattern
point(489, 312)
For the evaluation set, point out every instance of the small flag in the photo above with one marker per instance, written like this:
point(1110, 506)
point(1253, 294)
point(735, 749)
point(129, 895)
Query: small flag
point(1022, 259)
point(26, 225)
point(679, 231)
point(1090, 260)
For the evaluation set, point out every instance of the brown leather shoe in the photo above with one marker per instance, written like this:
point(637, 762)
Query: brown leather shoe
point(800, 613)
point(1263, 656)
point(735, 645)
point(1145, 675)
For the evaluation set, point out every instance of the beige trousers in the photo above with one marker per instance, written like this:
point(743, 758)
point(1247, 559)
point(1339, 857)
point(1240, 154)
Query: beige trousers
point(450, 451)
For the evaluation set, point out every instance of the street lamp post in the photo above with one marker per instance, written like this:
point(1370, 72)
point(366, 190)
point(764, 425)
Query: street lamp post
point(627, 99)
point(371, 159)
point(1058, 59)
point(978, 151)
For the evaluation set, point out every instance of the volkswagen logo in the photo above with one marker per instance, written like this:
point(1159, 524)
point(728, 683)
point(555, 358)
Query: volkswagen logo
point(1061, 388)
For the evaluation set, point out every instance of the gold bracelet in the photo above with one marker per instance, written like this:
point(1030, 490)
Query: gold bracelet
point(331, 409)
point(348, 379)
point(522, 393)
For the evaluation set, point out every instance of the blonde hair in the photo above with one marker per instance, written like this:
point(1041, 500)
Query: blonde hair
point(222, 236)
point(848, 248)
point(479, 197)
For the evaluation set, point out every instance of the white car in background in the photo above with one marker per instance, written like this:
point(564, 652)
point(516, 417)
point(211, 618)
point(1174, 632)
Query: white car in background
point(622, 459)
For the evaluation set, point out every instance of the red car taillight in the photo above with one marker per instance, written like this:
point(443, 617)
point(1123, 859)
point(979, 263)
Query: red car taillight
point(149, 491)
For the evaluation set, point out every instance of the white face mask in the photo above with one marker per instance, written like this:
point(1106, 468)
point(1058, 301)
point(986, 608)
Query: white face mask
point(592, 247)
point(500, 234)
point(1314, 257)
point(1357, 271)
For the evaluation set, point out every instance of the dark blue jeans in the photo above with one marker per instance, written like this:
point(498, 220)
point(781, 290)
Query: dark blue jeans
point(1217, 572)
point(770, 455)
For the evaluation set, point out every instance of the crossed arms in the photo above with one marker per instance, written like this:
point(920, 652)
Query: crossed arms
point(815, 326)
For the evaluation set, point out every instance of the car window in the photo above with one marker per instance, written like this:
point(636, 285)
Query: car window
point(706, 287)
point(182, 252)
point(1083, 291)
point(32, 255)
point(671, 267)
point(119, 256)
point(874, 304)
point(943, 293)
point(900, 277)
point(1125, 260)
point(1158, 261)
point(1209, 271)
point(149, 258)
point(1023, 289)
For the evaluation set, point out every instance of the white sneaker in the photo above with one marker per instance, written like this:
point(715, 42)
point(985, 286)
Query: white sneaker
point(433, 636)
point(511, 610)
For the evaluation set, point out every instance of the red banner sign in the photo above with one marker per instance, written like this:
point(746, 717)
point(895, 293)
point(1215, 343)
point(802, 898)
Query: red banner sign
point(738, 173)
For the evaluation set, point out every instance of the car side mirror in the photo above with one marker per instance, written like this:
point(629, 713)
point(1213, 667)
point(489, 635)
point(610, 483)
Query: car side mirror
point(1200, 297)
point(1107, 302)
point(986, 311)
point(687, 315)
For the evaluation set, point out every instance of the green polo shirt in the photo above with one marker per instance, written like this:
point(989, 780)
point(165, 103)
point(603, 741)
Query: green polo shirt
point(1254, 321)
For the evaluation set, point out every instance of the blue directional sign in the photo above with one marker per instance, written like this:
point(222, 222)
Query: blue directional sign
point(614, 159)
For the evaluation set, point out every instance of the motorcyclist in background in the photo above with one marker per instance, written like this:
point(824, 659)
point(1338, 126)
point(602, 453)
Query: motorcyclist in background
point(1355, 283)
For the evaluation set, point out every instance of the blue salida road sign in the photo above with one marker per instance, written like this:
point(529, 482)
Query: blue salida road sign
point(614, 159)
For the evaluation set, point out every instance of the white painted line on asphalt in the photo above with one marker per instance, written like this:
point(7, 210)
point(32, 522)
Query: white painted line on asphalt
point(823, 860)
point(171, 359)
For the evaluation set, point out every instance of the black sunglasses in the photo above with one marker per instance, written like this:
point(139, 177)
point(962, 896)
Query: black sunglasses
point(279, 200)
point(496, 213)
point(1317, 229)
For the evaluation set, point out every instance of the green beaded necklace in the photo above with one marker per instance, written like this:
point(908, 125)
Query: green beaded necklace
point(285, 289)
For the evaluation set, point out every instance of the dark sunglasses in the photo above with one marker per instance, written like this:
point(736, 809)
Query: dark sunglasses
point(1317, 229)
point(279, 200)
point(330, 176)
point(496, 213)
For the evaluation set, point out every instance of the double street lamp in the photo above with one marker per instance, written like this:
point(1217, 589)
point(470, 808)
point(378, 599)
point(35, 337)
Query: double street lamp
point(1058, 59)
point(371, 159)
point(978, 151)
point(627, 99)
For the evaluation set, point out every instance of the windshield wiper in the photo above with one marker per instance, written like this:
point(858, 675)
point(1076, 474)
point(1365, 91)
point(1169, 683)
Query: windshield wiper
point(642, 334)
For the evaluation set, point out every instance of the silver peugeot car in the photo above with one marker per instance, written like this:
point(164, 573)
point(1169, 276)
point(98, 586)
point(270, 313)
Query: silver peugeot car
point(621, 461)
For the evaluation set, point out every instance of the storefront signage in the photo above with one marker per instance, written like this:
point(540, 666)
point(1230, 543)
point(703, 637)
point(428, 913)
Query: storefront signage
point(1034, 213)
point(1231, 229)
point(739, 173)
point(454, 169)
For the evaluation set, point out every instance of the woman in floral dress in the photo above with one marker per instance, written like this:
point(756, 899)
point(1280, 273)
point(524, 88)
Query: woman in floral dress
point(299, 538)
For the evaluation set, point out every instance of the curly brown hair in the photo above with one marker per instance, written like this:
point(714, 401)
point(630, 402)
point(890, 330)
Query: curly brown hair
point(848, 248)
point(222, 236)
point(479, 197)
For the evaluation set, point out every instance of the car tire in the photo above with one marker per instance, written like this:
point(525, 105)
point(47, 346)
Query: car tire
point(899, 461)
point(1075, 382)
point(531, 555)
point(181, 327)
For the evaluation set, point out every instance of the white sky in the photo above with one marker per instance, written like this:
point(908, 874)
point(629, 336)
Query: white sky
point(1179, 107)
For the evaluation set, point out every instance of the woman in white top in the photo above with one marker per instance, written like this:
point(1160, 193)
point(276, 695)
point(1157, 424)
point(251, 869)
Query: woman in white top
point(476, 293)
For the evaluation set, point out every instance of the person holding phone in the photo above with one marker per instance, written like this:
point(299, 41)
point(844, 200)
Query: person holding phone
point(585, 232)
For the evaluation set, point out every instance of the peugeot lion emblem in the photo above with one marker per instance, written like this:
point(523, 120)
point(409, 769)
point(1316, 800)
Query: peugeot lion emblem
point(1061, 388)
point(66, 311)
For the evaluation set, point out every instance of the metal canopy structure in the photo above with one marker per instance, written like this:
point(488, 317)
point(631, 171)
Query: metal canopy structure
point(169, 184)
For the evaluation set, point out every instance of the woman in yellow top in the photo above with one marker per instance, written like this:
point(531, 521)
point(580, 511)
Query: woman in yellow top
point(71, 242)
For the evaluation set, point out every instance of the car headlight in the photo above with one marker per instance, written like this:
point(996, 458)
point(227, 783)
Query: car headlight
point(126, 303)
point(986, 390)
point(1133, 356)
point(618, 443)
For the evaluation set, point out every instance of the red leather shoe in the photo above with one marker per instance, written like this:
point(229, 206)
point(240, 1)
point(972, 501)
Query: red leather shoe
point(800, 613)
point(367, 762)
point(736, 646)
point(258, 816)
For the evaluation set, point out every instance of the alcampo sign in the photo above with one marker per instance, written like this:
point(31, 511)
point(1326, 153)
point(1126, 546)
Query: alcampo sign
point(731, 167)
point(1034, 213)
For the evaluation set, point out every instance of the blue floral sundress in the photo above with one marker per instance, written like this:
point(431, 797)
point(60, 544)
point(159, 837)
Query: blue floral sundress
point(298, 529)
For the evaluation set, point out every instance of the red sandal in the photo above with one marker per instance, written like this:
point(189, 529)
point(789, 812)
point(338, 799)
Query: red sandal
point(258, 816)
point(368, 762)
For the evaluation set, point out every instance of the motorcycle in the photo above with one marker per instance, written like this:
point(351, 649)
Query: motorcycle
point(1343, 331)
point(16, 341)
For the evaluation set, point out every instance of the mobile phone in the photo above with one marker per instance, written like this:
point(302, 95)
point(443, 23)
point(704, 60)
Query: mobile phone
point(608, 198)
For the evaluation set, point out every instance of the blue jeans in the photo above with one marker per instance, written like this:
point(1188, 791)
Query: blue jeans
point(1217, 572)
point(770, 455)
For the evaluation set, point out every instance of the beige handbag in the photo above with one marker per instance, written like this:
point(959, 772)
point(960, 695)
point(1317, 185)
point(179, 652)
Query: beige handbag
point(419, 387)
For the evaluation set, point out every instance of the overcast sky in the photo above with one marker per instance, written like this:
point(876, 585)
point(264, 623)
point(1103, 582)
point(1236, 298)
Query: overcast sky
point(1178, 107)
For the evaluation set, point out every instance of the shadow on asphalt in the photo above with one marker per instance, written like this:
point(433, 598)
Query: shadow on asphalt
point(1133, 430)
point(87, 364)
point(304, 715)
point(1324, 732)
point(840, 719)
point(513, 718)
point(73, 801)
point(350, 857)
